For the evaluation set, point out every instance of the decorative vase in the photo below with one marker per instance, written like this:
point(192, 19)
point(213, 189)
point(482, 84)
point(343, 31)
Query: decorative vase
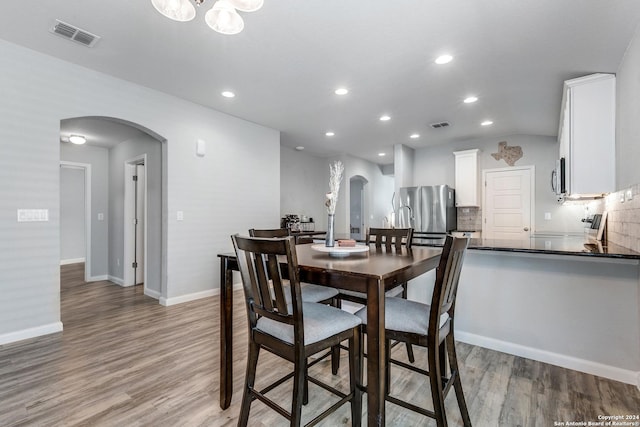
point(330, 239)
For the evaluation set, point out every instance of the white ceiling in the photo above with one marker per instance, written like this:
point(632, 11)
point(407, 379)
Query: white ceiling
point(292, 55)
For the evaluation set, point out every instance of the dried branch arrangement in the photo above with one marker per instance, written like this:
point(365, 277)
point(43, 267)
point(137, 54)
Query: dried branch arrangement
point(336, 169)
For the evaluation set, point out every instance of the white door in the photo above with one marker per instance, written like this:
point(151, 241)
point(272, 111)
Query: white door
point(508, 207)
point(134, 221)
point(140, 187)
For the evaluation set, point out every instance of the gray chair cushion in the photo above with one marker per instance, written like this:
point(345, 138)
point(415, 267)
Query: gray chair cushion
point(390, 293)
point(320, 322)
point(405, 316)
point(314, 293)
point(310, 292)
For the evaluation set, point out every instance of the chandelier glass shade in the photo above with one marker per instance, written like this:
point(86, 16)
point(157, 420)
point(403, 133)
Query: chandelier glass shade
point(223, 17)
point(178, 10)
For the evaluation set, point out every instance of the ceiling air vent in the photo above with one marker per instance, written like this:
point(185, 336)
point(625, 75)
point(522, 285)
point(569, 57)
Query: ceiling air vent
point(439, 125)
point(75, 34)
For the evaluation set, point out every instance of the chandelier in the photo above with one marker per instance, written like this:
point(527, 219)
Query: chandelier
point(223, 17)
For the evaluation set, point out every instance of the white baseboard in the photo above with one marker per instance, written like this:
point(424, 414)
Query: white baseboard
point(98, 278)
point(71, 261)
point(116, 280)
point(194, 296)
point(153, 294)
point(594, 368)
point(24, 334)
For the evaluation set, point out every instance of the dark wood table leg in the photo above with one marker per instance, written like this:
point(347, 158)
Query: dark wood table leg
point(375, 354)
point(226, 333)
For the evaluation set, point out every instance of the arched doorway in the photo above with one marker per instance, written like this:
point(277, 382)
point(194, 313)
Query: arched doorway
point(357, 207)
point(113, 148)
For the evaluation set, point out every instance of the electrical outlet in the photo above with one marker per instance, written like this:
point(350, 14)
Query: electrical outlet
point(180, 216)
point(547, 216)
point(100, 217)
point(628, 195)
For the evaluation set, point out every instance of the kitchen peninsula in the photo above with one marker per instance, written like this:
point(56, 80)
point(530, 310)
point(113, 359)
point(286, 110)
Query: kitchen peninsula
point(564, 300)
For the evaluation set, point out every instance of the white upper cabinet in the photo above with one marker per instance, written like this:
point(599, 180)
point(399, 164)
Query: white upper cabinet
point(587, 134)
point(467, 178)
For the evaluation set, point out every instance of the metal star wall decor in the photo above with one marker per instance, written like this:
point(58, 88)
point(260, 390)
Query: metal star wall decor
point(509, 154)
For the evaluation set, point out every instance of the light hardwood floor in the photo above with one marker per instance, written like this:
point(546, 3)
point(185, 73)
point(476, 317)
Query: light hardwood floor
point(124, 360)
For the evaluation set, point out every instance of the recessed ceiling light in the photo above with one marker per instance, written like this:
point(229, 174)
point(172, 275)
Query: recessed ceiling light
point(341, 91)
point(228, 94)
point(382, 154)
point(385, 118)
point(470, 99)
point(330, 133)
point(443, 59)
point(299, 148)
point(414, 136)
point(486, 123)
point(77, 139)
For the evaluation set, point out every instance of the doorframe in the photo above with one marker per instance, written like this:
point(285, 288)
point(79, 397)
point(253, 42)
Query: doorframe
point(128, 278)
point(532, 195)
point(87, 215)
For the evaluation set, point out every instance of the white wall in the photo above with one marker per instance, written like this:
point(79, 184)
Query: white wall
point(304, 181)
point(118, 155)
point(98, 158)
point(575, 312)
point(627, 114)
point(232, 188)
point(72, 228)
point(435, 165)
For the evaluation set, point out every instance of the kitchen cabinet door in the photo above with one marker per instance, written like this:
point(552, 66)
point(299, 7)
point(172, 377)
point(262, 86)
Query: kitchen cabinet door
point(587, 134)
point(467, 178)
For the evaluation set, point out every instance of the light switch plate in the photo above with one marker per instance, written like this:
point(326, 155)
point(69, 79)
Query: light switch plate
point(628, 195)
point(33, 215)
point(180, 216)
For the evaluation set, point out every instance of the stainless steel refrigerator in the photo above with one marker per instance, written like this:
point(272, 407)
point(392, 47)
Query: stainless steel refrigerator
point(429, 209)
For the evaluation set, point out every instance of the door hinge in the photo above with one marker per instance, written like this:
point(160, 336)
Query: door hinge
point(135, 177)
point(134, 265)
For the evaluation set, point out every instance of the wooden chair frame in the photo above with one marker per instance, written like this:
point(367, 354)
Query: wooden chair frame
point(390, 239)
point(439, 341)
point(260, 260)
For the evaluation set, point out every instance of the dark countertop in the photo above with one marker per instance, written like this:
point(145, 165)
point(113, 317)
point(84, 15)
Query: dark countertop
point(550, 244)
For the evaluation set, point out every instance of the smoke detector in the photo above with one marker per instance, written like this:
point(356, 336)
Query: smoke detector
point(74, 33)
point(439, 125)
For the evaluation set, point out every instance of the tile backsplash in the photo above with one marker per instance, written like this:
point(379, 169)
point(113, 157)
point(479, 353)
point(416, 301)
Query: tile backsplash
point(469, 219)
point(623, 221)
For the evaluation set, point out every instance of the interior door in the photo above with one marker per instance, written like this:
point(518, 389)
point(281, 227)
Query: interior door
point(507, 212)
point(140, 186)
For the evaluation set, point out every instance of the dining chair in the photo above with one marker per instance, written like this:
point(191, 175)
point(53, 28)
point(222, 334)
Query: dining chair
point(310, 292)
point(430, 326)
point(390, 239)
point(292, 330)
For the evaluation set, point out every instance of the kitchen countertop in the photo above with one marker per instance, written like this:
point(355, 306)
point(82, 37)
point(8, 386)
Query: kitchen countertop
point(549, 244)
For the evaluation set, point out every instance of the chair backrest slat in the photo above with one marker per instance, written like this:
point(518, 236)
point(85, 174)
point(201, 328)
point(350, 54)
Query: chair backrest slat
point(390, 237)
point(447, 279)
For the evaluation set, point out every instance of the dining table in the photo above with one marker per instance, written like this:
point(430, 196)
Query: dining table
point(373, 272)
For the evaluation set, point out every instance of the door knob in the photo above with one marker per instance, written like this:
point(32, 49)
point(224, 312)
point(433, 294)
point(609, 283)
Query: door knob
point(526, 229)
